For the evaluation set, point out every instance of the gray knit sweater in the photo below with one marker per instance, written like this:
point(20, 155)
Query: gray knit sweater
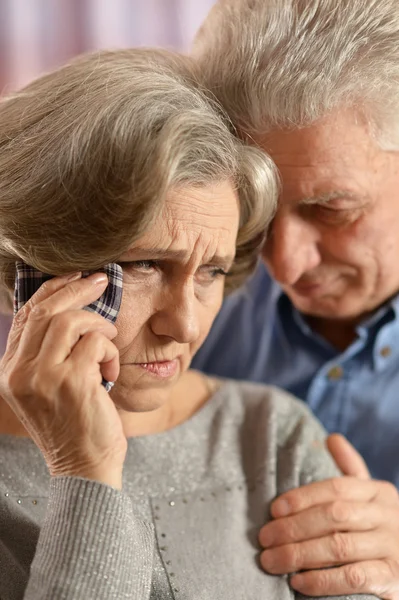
point(186, 524)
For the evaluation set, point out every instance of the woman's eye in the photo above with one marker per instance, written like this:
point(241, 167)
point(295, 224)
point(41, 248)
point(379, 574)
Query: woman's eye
point(138, 265)
point(209, 274)
point(219, 273)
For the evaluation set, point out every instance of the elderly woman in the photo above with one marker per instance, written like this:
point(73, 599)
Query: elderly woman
point(119, 166)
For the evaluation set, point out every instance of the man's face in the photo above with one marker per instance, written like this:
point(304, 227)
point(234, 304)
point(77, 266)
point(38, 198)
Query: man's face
point(334, 243)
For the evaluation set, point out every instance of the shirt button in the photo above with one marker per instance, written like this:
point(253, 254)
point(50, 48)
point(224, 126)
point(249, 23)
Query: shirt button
point(335, 372)
point(386, 351)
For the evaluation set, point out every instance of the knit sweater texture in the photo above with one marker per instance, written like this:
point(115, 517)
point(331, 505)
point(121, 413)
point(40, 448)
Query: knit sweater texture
point(185, 525)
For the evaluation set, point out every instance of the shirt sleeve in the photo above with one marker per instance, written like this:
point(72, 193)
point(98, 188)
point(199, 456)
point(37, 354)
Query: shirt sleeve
point(91, 546)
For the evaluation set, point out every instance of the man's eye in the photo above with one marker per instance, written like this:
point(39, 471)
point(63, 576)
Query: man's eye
point(335, 216)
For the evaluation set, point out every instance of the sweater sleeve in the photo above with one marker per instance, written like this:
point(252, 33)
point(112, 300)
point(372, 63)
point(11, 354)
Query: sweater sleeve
point(91, 546)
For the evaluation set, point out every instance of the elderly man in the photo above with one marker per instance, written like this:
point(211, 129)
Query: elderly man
point(315, 83)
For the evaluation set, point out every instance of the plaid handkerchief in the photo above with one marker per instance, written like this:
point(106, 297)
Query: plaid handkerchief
point(28, 280)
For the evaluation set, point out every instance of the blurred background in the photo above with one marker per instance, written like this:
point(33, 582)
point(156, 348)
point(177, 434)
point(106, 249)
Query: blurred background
point(37, 35)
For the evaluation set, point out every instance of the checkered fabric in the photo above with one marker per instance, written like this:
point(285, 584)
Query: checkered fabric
point(28, 280)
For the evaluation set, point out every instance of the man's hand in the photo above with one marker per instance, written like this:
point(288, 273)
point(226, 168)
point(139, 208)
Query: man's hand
point(350, 523)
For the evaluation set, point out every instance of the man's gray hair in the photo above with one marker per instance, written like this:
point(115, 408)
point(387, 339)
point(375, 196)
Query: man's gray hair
point(287, 63)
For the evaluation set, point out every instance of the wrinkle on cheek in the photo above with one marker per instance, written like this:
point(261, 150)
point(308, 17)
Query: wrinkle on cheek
point(134, 314)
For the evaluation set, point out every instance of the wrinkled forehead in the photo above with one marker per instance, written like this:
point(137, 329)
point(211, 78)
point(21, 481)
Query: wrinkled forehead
point(211, 205)
point(337, 153)
point(202, 221)
point(333, 138)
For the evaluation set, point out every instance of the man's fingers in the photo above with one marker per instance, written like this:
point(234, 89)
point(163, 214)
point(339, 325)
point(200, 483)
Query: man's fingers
point(322, 520)
point(368, 577)
point(337, 488)
point(347, 459)
point(335, 549)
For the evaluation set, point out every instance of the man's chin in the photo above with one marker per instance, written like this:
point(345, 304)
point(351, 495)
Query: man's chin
point(327, 308)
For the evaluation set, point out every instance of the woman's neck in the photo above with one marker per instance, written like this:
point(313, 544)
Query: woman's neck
point(189, 394)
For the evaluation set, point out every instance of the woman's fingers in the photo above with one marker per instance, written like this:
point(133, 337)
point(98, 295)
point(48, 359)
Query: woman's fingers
point(66, 329)
point(91, 352)
point(72, 296)
point(19, 321)
point(51, 376)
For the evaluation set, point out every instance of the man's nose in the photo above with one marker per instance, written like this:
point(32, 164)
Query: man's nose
point(291, 248)
point(177, 316)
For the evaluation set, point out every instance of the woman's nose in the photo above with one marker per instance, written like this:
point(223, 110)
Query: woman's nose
point(177, 316)
point(291, 249)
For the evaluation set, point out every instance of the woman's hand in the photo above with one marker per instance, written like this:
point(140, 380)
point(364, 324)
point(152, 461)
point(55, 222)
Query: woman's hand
point(51, 376)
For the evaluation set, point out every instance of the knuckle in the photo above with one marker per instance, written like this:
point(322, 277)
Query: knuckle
point(38, 312)
point(356, 577)
point(15, 382)
point(61, 321)
point(319, 583)
point(21, 316)
point(95, 337)
point(341, 546)
point(291, 530)
point(291, 556)
point(45, 290)
point(46, 287)
point(71, 292)
point(338, 511)
point(40, 384)
point(67, 385)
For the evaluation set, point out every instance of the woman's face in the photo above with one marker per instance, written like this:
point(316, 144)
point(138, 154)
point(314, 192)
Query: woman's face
point(173, 283)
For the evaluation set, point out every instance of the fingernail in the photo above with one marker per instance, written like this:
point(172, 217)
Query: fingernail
point(281, 508)
point(98, 278)
point(74, 276)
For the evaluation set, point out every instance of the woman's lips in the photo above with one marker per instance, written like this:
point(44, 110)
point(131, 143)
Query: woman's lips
point(163, 369)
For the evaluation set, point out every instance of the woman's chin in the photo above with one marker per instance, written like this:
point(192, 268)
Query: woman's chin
point(141, 400)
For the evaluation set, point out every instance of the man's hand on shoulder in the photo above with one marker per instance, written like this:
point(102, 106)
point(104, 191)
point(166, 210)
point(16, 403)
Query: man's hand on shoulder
point(350, 523)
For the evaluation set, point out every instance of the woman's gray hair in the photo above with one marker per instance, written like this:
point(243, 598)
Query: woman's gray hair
point(89, 152)
point(288, 63)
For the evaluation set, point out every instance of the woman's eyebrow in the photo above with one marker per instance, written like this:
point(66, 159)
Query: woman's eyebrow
point(176, 255)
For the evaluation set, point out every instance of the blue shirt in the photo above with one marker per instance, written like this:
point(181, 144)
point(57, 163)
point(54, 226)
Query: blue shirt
point(260, 336)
